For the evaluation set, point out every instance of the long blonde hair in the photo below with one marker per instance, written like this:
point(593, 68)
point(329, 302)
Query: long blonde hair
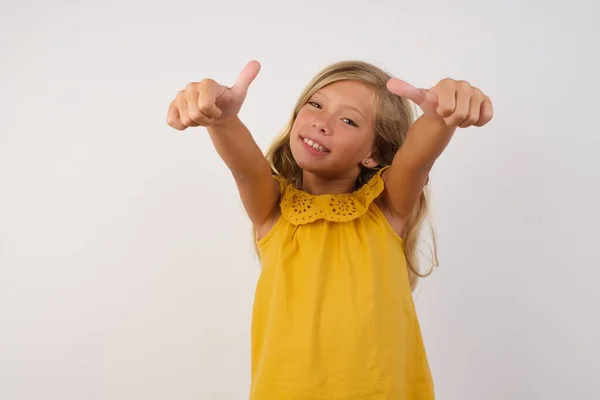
point(394, 116)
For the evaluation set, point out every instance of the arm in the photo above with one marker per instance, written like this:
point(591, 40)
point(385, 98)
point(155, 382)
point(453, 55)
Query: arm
point(448, 105)
point(216, 107)
point(409, 173)
point(258, 190)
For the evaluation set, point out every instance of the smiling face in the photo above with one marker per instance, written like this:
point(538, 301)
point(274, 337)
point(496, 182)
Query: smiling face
point(333, 132)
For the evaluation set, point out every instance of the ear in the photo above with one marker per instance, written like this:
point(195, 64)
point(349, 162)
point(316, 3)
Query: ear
point(371, 160)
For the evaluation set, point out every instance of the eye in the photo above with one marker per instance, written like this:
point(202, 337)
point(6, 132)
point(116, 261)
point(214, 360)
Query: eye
point(349, 122)
point(315, 105)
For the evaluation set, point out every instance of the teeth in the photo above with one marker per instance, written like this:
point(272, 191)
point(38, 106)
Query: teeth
point(314, 145)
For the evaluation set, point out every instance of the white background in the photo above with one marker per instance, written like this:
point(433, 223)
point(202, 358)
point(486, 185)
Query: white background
point(126, 262)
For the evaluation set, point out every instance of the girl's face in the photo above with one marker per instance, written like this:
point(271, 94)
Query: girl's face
point(333, 132)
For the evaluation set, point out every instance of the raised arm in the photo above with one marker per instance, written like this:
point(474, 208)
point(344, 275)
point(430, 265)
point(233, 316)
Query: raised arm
point(207, 103)
point(448, 105)
point(251, 170)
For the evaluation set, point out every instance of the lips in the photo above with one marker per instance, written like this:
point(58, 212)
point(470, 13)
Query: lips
point(315, 145)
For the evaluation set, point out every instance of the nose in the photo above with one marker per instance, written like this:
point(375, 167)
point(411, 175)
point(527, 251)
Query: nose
point(322, 126)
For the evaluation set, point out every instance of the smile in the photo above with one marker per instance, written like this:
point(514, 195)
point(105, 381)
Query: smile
point(315, 145)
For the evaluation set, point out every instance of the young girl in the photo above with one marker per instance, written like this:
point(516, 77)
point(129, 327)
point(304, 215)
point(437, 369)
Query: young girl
point(337, 204)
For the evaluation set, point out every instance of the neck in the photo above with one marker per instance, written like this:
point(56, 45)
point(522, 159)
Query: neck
point(318, 184)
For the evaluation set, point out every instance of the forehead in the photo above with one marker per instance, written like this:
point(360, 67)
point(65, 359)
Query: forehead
point(350, 93)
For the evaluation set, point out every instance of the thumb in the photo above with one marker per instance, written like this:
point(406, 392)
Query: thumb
point(420, 97)
point(246, 77)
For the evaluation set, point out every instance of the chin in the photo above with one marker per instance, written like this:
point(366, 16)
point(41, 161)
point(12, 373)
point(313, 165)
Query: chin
point(322, 169)
point(308, 166)
point(302, 158)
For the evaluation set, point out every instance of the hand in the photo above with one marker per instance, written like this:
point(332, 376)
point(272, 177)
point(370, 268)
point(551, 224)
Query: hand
point(207, 103)
point(457, 103)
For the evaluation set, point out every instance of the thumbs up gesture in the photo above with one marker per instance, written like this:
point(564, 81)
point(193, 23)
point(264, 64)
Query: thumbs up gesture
point(207, 102)
point(457, 103)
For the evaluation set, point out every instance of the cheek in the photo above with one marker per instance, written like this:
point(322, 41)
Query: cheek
point(299, 121)
point(303, 116)
point(355, 146)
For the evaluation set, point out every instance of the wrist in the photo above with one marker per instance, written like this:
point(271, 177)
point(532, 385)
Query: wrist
point(225, 123)
point(434, 123)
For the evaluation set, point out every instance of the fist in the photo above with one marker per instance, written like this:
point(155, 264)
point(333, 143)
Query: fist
point(207, 102)
point(457, 103)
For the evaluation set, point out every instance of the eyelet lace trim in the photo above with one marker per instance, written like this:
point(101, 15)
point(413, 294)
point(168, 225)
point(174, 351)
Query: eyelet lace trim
point(300, 207)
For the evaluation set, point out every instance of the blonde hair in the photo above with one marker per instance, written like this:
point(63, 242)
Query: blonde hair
point(394, 116)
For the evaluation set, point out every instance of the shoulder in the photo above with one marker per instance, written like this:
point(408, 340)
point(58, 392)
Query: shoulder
point(397, 222)
point(298, 207)
point(263, 230)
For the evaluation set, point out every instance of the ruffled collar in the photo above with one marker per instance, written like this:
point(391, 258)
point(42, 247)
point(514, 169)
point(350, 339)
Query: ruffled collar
point(300, 207)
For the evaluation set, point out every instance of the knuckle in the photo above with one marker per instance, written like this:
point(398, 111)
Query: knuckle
point(461, 116)
point(448, 82)
point(206, 82)
point(444, 111)
point(195, 115)
point(471, 119)
point(204, 107)
point(451, 121)
point(186, 120)
point(465, 87)
point(208, 112)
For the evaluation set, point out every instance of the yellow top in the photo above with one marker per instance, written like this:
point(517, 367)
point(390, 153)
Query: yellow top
point(334, 316)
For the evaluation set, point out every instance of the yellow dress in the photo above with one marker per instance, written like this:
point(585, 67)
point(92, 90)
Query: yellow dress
point(333, 315)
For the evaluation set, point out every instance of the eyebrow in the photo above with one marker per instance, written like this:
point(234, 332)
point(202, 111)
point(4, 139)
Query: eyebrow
point(345, 105)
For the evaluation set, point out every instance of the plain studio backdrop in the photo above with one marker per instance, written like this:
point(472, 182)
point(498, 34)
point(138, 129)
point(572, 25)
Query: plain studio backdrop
point(127, 268)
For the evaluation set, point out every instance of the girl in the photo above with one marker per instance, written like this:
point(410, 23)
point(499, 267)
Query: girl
point(336, 206)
